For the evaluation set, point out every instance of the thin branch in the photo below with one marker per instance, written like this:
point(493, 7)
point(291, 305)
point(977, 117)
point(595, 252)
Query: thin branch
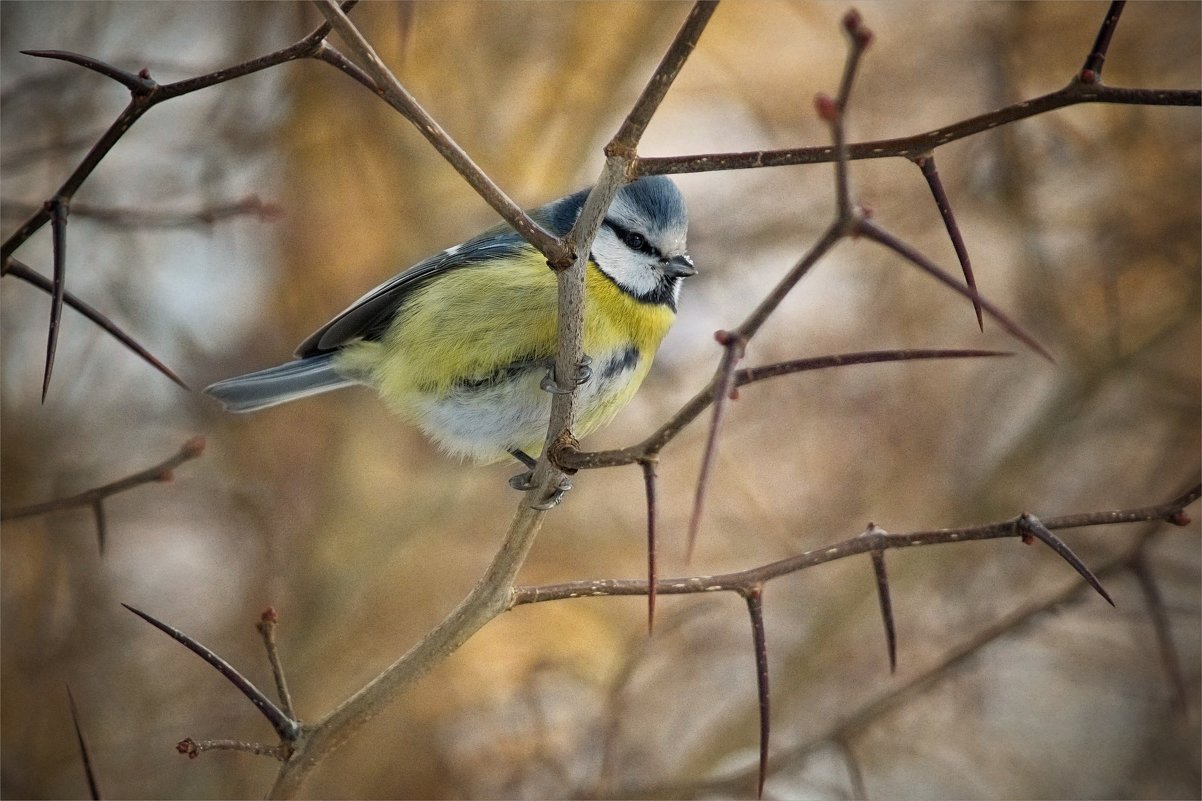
point(648, 465)
point(845, 728)
point(739, 581)
point(163, 471)
point(266, 626)
point(870, 230)
point(137, 84)
point(250, 205)
point(916, 145)
point(286, 727)
point(20, 270)
point(194, 748)
point(84, 754)
point(490, 597)
point(1091, 71)
point(582, 460)
point(754, 596)
point(631, 132)
point(389, 89)
point(1164, 631)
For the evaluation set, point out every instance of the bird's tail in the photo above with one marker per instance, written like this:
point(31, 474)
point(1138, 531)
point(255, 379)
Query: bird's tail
point(275, 385)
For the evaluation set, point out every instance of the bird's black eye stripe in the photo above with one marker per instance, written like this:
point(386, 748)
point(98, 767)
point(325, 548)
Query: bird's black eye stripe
point(633, 239)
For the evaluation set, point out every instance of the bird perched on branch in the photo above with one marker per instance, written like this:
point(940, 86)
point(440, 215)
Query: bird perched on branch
point(463, 344)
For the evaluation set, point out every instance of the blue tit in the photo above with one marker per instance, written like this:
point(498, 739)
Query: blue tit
point(462, 343)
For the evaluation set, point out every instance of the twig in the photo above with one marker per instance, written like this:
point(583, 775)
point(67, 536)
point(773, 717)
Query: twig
point(916, 145)
point(266, 626)
point(1164, 632)
point(1091, 71)
point(163, 471)
point(585, 460)
point(194, 748)
point(392, 92)
point(754, 596)
point(739, 581)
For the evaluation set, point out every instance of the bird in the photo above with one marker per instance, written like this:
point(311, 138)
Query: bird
point(463, 343)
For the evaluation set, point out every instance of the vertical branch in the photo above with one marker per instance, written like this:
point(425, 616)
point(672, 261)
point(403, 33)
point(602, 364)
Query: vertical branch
point(1091, 72)
point(1164, 632)
point(648, 464)
point(266, 626)
point(754, 595)
point(628, 136)
point(724, 391)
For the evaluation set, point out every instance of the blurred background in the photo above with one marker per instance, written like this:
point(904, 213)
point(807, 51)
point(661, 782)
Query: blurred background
point(1083, 224)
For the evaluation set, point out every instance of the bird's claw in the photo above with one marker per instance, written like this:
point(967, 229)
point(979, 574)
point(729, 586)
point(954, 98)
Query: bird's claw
point(583, 373)
point(524, 482)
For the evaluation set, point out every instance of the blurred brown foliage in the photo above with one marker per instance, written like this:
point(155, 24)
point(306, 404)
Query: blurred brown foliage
point(1083, 223)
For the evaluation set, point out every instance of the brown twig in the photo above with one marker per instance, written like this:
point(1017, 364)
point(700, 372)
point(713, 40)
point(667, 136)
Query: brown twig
point(251, 206)
point(194, 748)
point(1164, 631)
point(659, 439)
point(917, 144)
point(739, 581)
point(144, 95)
point(94, 498)
point(389, 89)
point(754, 596)
point(266, 626)
point(1091, 71)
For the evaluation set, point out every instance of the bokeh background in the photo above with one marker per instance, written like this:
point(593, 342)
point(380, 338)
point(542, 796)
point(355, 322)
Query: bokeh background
point(1083, 223)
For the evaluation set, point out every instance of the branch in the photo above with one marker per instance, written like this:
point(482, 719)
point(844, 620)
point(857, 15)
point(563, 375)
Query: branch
point(652, 445)
point(163, 471)
point(394, 94)
point(914, 146)
point(876, 540)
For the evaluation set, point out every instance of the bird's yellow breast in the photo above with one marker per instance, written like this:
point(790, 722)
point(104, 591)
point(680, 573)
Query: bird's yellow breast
point(474, 320)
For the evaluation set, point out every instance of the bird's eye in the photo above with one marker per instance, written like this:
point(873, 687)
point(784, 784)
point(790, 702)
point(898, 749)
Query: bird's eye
point(634, 240)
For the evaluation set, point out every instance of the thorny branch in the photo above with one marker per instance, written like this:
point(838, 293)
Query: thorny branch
point(94, 498)
point(845, 729)
point(496, 592)
point(874, 541)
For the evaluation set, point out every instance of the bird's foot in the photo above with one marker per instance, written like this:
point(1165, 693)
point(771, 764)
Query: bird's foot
point(523, 482)
point(583, 373)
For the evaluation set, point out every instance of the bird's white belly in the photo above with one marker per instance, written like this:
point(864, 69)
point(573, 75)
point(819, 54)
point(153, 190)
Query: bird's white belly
point(485, 422)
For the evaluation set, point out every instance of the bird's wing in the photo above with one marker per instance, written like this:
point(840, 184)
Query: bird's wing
point(371, 314)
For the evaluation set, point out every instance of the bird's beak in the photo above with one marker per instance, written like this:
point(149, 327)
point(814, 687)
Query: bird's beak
point(679, 266)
